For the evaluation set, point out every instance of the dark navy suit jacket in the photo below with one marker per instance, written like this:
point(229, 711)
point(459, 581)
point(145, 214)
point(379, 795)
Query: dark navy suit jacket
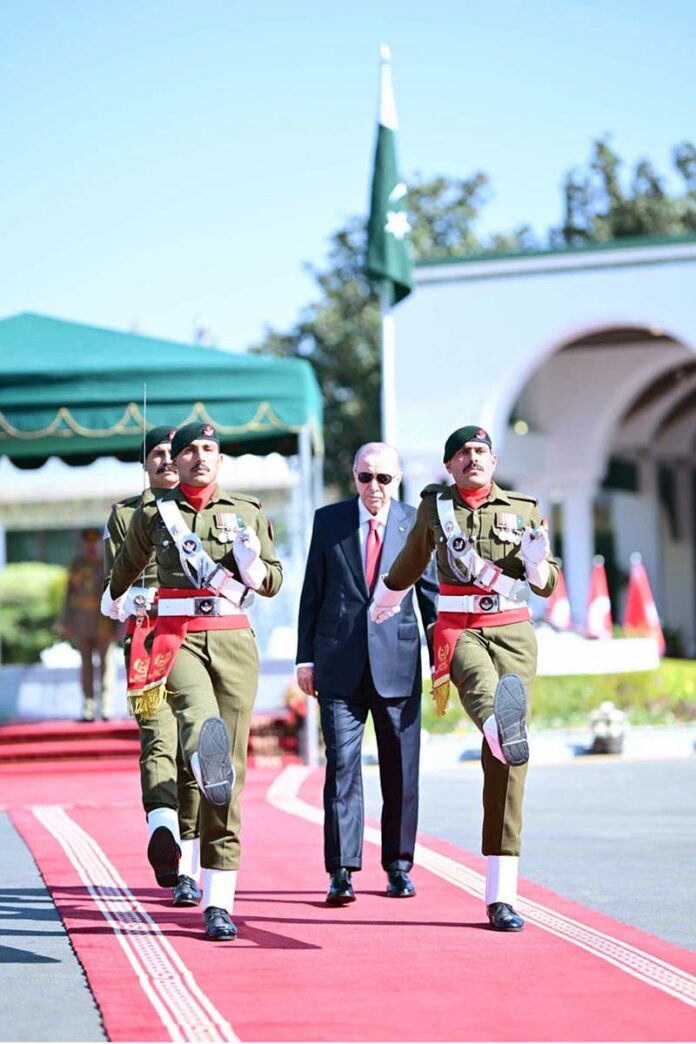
point(335, 632)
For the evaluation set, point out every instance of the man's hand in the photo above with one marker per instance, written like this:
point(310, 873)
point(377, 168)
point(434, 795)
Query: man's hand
point(305, 680)
point(247, 550)
point(114, 608)
point(535, 545)
point(385, 603)
point(535, 548)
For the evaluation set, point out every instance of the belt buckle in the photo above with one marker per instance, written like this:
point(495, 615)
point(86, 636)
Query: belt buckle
point(488, 603)
point(206, 606)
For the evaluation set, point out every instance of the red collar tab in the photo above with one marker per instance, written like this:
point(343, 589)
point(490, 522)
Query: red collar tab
point(198, 496)
point(474, 498)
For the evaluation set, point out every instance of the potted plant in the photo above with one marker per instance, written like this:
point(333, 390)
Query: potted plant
point(608, 725)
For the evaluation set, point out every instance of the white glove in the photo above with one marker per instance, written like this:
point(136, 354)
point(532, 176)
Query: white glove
point(385, 602)
point(535, 545)
point(114, 608)
point(247, 554)
point(535, 548)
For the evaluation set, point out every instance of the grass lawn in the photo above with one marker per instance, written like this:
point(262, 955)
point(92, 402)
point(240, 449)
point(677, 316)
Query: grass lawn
point(664, 696)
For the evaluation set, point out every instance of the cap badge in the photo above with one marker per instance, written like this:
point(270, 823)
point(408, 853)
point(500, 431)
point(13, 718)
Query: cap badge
point(208, 431)
point(481, 434)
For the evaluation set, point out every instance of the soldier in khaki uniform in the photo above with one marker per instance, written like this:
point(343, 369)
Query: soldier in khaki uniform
point(170, 792)
point(212, 549)
point(491, 546)
point(82, 623)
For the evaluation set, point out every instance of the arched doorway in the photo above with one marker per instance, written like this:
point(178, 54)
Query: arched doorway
point(603, 431)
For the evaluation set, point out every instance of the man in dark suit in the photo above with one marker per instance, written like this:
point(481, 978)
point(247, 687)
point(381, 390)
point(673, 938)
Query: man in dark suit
point(355, 666)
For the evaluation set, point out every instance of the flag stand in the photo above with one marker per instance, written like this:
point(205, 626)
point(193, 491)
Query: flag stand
point(388, 374)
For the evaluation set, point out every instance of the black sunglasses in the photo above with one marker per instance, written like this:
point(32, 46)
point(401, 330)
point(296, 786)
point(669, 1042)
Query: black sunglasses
point(368, 476)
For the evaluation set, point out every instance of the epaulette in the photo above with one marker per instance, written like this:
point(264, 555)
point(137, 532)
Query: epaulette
point(246, 496)
point(128, 502)
point(435, 487)
point(520, 496)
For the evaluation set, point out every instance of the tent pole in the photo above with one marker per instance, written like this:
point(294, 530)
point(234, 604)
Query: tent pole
point(309, 493)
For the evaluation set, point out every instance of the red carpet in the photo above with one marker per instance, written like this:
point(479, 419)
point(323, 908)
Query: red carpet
point(380, 969)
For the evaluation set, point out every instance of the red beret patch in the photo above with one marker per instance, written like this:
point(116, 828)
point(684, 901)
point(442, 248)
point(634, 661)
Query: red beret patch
point(208, 431)
point(481, 434)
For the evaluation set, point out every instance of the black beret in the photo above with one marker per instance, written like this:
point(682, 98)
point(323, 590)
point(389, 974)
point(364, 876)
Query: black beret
point(472, 433)
point(157, 435)
point(184, 436)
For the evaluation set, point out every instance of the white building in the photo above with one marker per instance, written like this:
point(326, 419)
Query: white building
point(582, 366)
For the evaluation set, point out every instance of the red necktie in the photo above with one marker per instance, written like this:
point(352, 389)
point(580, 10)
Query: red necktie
point(373, 550)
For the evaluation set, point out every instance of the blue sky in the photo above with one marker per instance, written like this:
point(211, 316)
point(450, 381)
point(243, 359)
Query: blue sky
point(165, 163)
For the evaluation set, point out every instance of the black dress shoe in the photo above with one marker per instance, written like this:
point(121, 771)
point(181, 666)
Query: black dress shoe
point(510, 710)
point(217, 772)
point(164, 854)
point(187, 892)
point(340, 888)
point(503, 918)
point(218, 924)
point(399, 885)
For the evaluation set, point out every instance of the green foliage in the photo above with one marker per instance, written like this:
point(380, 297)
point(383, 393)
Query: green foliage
point(665, 695)
point(31, 596)
point(599, 208)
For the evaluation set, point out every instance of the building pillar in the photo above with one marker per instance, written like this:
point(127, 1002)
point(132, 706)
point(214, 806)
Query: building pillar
point(651, 543)
point(578, 547)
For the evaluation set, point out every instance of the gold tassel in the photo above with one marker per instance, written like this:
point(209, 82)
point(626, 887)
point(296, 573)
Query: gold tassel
point(441, 694)
point(144, 703)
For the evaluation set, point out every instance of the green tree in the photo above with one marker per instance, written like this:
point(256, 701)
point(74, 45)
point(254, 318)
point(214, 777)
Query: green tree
point(340, 331)
point(598, 208)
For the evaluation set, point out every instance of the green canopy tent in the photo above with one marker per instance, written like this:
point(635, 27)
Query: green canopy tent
point(79, 392)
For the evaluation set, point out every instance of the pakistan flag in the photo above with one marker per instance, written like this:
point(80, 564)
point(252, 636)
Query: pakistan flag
point(388, 245)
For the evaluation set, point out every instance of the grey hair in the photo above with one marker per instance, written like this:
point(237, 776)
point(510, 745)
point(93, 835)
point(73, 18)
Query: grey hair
point(376, 447)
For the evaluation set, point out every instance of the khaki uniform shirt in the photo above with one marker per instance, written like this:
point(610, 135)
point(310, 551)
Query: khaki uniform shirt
point(489, 527)
point(115, 533)
point(147, 533)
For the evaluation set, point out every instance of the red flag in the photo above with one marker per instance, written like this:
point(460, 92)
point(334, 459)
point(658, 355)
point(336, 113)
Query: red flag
point(557, 612)
point(640, 617)
point(598, 622)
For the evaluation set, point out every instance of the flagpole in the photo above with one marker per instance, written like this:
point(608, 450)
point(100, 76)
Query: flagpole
point(388, 373)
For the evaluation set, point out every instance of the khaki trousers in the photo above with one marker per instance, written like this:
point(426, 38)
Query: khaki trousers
point(216, 673)
point(480, 657)
point(104, 650)
point(165, 779)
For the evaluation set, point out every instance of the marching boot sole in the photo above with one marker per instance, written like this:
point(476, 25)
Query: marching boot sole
point(217, 771)
point(164, 854)
point(510, 710)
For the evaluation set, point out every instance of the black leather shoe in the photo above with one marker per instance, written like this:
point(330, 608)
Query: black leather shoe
point(510, 710)
point(218, 924)
point(217, 772)
point(503, 918)
point(399, 885)
point(340, 888)
point(187, 892)
point(164, 854)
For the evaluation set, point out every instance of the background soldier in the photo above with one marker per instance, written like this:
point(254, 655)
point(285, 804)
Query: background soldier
point(84, 625)
point(211, 548)
point(490, 543)
point(170, 792)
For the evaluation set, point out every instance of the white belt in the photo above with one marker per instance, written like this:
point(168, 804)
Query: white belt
point(487, 603)
point(206, 605)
